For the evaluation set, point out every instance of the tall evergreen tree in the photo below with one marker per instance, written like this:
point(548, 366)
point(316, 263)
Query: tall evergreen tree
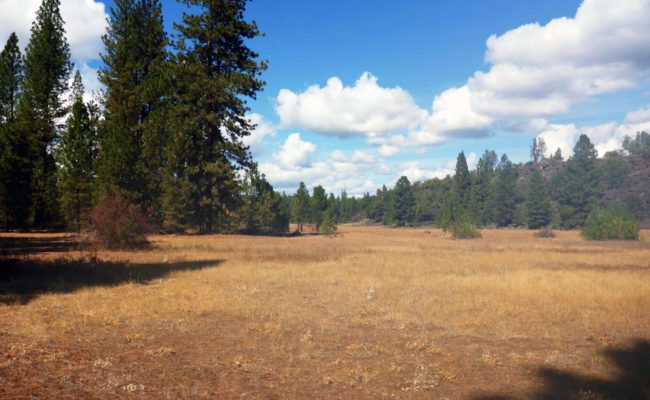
point(577, 188)
point(76, 156)
point(318, 205)
point(47, 69)
point(481, 188)
point(215, 73)
point(301, 206)
point(462, 180)
point(134, 130)
point(11, 76)
point(504, 195)
point(538, 205)
point(14, 147)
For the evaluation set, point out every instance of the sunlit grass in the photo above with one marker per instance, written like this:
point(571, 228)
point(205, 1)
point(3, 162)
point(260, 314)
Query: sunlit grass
point(373, 312)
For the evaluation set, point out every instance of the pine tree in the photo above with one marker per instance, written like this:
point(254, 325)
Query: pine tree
point(318, 205)
point(300, 206)
point(462, 180)
point(328, 226)
point(504, 195)
point(76, 156)
point(577, 188)
point(215, 73)
point(14, 148)
point(480, 194)
point(401, 209)
point(538, 206)
point(262, 210)
point(47, 69)
point(558, 155)
point(11, 76)
point(135, 127)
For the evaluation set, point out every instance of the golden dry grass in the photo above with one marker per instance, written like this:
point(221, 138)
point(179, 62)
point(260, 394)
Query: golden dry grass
point(375, 313)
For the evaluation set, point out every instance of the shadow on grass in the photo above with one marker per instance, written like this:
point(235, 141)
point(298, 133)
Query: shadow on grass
point(22, 280)
point(18, 246)
point(631, 382)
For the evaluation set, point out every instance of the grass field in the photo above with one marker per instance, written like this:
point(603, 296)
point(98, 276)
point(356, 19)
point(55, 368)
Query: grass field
point(374, 313)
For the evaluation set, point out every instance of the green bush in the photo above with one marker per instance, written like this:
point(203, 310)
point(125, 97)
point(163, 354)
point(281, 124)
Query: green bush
point(613, 223)
point(328, 226)
point(465, 230)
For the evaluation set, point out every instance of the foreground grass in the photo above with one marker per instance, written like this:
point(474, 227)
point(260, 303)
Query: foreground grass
point(404, 313)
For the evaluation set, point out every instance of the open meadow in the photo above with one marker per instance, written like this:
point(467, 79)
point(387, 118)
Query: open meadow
point(373, 313)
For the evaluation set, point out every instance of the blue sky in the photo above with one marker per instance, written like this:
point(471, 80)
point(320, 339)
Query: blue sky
point(359, 93)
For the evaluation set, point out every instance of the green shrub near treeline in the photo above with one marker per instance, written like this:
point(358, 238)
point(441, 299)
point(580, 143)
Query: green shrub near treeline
point(613, 223)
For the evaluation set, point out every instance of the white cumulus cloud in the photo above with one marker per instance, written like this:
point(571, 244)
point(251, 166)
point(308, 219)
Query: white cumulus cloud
point(295, 152)
point(338, 110)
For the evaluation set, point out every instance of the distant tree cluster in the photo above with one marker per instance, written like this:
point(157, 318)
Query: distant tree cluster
point(316, 209)
point(165, 136)
point(491, 194)
point(638, 145)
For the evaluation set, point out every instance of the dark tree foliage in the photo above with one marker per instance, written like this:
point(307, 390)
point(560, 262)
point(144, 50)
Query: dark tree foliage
point(462, 180)
point(135, 126)
point(377, 205)
point(401, 209)
point(577, 188)
point(480, 195)
point(538, 205)
point(47, 69)
point(215, 72)
point(301, 206)
point(11, 76)
point(263, 211)
point(504, 194)
point(614, 170)
point(639, 145)
point(318, 205)
point(75, 156)
point(15, 199)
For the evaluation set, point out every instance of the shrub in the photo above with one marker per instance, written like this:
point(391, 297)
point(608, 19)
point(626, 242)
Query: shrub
point(545, 233)
point(118, 224)
point(328, 226)
point(613, 223)
point(465, 230)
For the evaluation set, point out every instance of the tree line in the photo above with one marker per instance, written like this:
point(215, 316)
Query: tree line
point(496, 194)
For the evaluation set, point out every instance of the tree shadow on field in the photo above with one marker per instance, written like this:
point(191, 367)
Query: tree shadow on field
point(22, 280)
point(632, 381)
point(19, 246)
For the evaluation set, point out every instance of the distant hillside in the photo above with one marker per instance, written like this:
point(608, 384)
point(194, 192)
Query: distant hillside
point(634, 190)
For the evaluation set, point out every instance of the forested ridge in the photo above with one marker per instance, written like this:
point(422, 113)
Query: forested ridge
point(165, 137)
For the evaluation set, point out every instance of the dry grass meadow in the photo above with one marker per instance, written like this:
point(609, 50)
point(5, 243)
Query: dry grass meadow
point(374, 313)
